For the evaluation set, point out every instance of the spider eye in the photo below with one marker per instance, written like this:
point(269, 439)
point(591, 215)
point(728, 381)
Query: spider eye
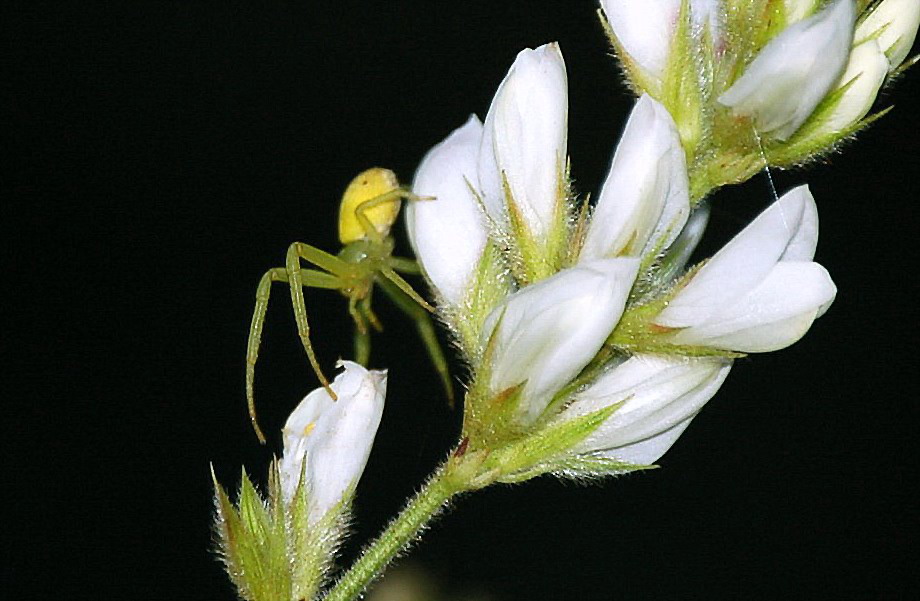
point(368, 185)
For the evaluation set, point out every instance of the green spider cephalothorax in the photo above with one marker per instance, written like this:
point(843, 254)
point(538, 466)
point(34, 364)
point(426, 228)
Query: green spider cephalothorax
point(368, 210)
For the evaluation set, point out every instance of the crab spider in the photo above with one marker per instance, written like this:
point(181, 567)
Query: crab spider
point(368, 209)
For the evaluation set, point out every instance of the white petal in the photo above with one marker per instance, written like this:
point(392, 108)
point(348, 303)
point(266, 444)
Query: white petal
point(650, 450)
point(786, 230)
point(865, 73)
point(804, 241)
point(794, 71)
point(525, 138)
point(550, 330)
point(657, 394)
point(644, 28)
point(772, 316)
point(645, 201)
point(449, 233)
point(297, 430)
point(895, 23)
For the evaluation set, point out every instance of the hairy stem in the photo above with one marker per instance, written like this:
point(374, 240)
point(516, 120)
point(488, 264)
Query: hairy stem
point(400, 533)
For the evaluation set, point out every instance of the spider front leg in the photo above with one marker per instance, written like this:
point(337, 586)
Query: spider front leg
point(324, 260)
point(415, 310)
point(377, 227)
point(363, 316)
point(309, 277)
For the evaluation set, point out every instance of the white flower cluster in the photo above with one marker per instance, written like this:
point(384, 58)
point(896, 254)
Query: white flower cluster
point(502, 196)
point(538, 291)
point(591, 344)
point(817, 61)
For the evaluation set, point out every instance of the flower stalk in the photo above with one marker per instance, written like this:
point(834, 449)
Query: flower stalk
point(400, 533)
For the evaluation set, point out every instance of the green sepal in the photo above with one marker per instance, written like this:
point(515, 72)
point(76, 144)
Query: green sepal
point(524, 249)
point(581, 467)
point(900, 69)
point(803, 150)
point(228, 528)
point(682, 91)
point(531, 258)
point(253, 544)
point(489, 418)
point(493, 419)
point(270, 549)
point(540, 447)
point(488, 288)
point(310, 557)
point(594, 465)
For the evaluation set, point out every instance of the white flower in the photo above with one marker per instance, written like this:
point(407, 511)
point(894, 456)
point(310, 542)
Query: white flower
point(644, 28)
point(893, 24)
point(334, 438)
point(659, 397)
point(448, 233)
point(794, 71)
point(549, 331)
point(762, 291)
point(524, 140)
point(864, 75)
point(645, 201)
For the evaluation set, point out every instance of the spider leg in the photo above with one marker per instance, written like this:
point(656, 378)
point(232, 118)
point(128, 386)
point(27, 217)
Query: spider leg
point(361, 211)
point(357, 316)
point(363, 337)
point(362, 347)
point(320, 258)
point(316, 279)
point(403, 285)
point(405, 265)
point(368, 311)
point(425, 327)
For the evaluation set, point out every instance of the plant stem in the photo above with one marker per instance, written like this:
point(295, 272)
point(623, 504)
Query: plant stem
point(397, 536)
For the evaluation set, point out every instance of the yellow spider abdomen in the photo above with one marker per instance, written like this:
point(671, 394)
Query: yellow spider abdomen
point(374, 184)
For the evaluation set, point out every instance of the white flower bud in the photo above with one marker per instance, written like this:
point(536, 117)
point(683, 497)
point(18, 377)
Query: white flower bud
point(761, 292)
point(524, 139)
point(864, 75)
point(549, 331)
point(893, 24)
point(644, 29)
point(449, 233)
point(645, 201)
point(334, 438)
point(658, 394)
point(794, 71)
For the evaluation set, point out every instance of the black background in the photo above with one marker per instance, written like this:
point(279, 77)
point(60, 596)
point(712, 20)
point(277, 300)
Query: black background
point(166, 153)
